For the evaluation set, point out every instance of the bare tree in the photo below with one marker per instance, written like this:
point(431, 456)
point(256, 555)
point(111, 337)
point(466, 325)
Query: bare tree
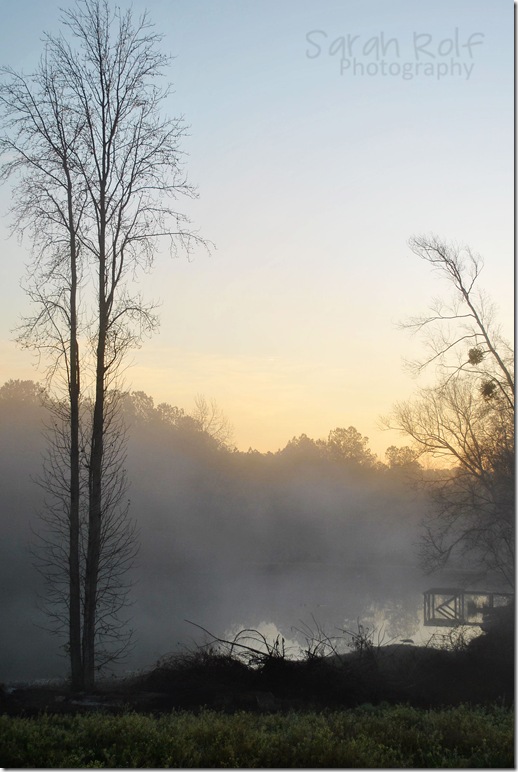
point(462, 335)
point(39, 130)
point(472, 513)
point(212, 420)
point(98, 169)
point(466, 420)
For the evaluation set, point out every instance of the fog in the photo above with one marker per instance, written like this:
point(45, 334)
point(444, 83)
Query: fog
point(227, 540)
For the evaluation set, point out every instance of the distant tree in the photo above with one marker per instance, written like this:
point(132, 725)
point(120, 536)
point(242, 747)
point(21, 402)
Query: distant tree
point(22, 404)
point(349, 445)
point(342, 445)
point(303, 447)
point(402, 458)
point(138, 407)
point(466, 420)
point(97, 171)
point(170, 414)
point(25, 392)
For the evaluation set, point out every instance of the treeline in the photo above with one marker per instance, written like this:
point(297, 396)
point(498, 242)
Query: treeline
point(320, 527)
point(203, 433)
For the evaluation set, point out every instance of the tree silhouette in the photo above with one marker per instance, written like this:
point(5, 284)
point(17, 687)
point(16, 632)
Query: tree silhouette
point(466, 419)
point(97, 171)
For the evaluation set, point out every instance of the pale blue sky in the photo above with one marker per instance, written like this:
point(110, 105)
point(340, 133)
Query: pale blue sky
point(311, 182)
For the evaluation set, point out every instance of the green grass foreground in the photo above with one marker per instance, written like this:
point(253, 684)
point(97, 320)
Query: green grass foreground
point(368, 736)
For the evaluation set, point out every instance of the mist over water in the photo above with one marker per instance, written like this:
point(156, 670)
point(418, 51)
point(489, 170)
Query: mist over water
point(227, 540)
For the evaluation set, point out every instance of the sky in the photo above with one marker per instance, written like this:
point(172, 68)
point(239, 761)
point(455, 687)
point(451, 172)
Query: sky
point(313, 170)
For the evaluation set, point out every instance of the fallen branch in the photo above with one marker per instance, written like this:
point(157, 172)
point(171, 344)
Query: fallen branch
point(257, 652)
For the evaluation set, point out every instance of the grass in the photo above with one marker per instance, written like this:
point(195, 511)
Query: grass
point(367, 737)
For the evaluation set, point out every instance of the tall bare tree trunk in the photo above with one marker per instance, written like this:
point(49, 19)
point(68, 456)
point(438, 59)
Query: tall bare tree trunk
point(74, 524)
point(95, 484)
